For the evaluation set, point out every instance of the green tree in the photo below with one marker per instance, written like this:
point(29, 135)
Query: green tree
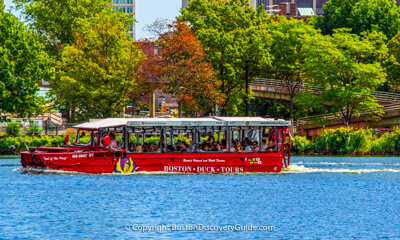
point(234, 37)
point(23, 64)
point(288, 55)
point(393, 63)
point(98, 72)
point(361, 16)
point(344, 71)
point(56, 20)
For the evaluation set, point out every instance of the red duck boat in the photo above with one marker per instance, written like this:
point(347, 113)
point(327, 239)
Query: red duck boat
point(185, 145)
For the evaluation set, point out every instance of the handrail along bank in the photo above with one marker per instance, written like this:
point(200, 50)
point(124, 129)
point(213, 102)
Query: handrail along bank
point(101, 155)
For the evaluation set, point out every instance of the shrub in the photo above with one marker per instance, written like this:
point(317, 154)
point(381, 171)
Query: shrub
point(302, 144)
point(13, 128)
point(33, 130)
point(345, 141)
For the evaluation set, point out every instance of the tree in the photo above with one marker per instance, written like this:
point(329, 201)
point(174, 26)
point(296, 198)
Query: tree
point(56, 20)
point(344, 70)
point(185, 71)
point(393, 64)
point(98, 72)
point(288, 55)
point(360, 16)
point(23, 64)
point(234, 37)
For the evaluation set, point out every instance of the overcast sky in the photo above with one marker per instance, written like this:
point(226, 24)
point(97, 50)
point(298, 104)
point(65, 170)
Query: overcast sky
point(147, 11)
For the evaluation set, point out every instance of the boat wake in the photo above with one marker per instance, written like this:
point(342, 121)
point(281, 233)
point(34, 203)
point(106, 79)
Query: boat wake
point(294, 168)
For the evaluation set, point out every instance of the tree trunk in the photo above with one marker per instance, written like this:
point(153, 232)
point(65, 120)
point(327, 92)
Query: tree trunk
point(180, 109)
point(291, 128)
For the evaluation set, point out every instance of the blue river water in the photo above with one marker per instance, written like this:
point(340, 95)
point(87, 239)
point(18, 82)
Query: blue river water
point(316, 198)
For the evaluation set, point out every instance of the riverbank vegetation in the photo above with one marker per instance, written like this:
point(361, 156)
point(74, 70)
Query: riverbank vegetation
point(348, 141)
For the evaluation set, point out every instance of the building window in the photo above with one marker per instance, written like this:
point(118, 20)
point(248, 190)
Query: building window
point(122, 1)
point(130, 1)
point(115, 1)
point(160, 101)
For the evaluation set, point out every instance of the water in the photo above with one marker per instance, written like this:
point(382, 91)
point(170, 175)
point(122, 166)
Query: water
point(317, 198)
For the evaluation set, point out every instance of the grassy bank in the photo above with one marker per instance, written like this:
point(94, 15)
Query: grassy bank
point(347, 141)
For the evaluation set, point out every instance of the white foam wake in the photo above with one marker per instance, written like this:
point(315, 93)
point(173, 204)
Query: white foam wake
point(294, 168)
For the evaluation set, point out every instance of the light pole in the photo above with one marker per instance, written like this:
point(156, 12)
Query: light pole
point(247, 88)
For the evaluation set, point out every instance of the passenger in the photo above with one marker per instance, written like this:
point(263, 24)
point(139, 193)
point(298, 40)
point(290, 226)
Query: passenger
point(206, 148)
point(170, 148)
point(271, 146)
point(113, 142)
point(264, 145)
point(183, 147)
point(139, 148)
point(255, 147)
point(214, 147)
point(223, 144)
point(247, 145)
point(233, 149)
point(219, 149)
point(186, 146)
point(153, 148)
point(238, 148)
point(244, 141)
point(211, 137)
point(131, 147)
point(177, 148)
point(192, 146)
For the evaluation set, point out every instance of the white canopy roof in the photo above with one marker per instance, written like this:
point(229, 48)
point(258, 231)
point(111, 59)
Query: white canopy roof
point(183, 122)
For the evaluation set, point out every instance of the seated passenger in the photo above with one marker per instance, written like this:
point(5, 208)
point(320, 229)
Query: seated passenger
point(139, 148)
point(113, 142)
point(238, 148)
point(247, 147)
point(206, 148)
point(223, 144)
point(271, 146)
point(264, 145)
point(170, 148)
point(214, 147)
point(233, 149)
point(255, 147)
point(131, 147)
point(177, 148)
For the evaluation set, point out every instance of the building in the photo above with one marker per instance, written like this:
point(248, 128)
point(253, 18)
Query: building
point(126, 6)
point(304, 7)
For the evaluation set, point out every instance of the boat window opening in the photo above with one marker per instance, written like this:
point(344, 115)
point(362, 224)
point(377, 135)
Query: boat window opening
point(83, 138)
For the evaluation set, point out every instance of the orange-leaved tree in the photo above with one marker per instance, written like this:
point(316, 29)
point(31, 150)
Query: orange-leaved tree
point(183, 68)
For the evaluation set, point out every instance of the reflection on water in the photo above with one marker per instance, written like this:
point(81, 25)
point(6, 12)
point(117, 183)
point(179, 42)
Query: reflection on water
point(315, 198)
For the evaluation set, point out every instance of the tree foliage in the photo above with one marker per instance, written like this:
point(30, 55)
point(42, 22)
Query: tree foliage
point(288, 55)
point(23, 64)
point(344, 71)
point(184, 70)
point(393, 63)
point(234, 36)
point(98, 72)
point(360, 16)
point(56, 20)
